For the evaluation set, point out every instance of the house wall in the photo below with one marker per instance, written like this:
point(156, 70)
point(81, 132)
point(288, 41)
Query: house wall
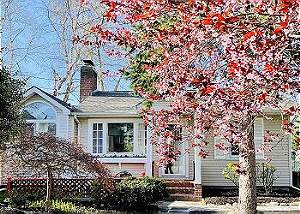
point(212, 168)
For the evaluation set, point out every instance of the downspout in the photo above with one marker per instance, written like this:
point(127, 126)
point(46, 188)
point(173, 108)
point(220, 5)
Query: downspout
point(78, 127)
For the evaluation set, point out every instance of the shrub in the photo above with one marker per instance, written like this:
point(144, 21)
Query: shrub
point(20, 199)
point(230, 173)
point(102, 191)
point(266, 176)
point(131, 193)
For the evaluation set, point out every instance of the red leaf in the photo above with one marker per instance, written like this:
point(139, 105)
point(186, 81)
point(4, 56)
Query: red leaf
point(248, 35)
point(207, 21)
point(208, 90)
point(262, 97)
point(269, 68)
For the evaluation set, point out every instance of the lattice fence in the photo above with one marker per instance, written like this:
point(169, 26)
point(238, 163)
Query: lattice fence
point(62, 188)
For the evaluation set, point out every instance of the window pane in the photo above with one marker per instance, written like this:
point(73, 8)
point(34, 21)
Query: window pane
point(94, 145)
point(95, 126)
point(52, 128)
point(39, 111)
point(100, 144)
point(100, 126)
point(94, 134)
point(234, 150)
point(120, 137)
point(100, 134)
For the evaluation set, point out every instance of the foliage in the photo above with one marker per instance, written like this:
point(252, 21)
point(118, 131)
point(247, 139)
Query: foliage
point(57, 206)
point(21, 199)
point(131, 194)
point(11, 119)
point(47, 155)
point(266, 176)
point(103, 192)
point(230, 173)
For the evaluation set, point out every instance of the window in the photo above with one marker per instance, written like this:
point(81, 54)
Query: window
point(234, 150)
point(120, 137)
point(97, 137)
point(40, 117)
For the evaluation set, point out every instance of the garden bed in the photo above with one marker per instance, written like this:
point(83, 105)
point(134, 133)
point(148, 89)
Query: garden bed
point(229, 196)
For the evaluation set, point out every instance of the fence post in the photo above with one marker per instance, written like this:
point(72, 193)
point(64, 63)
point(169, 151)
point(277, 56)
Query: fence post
point(8, 185)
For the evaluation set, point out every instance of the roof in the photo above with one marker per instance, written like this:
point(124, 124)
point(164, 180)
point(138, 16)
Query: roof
point(61, 102)
point(111, 102)
point(114, 94)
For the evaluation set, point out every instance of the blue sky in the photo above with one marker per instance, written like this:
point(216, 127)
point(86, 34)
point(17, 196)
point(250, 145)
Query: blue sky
point(37, 47)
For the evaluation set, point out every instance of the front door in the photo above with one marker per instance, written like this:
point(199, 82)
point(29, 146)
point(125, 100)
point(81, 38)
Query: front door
point(179, 168)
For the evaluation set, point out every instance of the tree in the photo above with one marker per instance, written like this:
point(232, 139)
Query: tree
point(77, 41)
point(48, 155)
point(11, 119)
point(218, 64)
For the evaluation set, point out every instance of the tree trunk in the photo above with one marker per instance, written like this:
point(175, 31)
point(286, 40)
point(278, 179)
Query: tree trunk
point(49, 185)
point(247, 180)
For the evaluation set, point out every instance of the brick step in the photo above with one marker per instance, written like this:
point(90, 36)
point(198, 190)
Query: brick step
point(184, 197)
point(172, 183)
point(181, 190)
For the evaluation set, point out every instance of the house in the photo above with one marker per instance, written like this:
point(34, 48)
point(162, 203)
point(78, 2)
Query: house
point(108, 124)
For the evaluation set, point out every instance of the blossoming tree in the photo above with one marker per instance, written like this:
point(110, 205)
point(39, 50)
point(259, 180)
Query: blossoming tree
point(217, 63)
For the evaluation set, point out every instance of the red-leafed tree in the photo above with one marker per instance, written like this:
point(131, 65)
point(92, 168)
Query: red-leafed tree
point(218, 64)
point(54, 157)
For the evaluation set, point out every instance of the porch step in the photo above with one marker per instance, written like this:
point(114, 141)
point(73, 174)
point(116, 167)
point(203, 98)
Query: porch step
point(175, 183)
point(184, 197)
point(180, 190)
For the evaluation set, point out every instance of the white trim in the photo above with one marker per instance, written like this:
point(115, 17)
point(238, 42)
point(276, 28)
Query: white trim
point(35, 90)
point(123, 160)
point(106, 115)
point(149, 154)
point(198, 167)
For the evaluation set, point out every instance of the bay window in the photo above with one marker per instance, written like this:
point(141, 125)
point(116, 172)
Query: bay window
point(121, 139)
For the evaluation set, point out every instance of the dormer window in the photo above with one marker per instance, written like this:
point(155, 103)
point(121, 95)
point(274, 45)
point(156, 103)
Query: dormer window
point(40, 117)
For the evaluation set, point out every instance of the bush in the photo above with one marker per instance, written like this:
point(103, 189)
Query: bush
point(266, 176)
point(230, 173)
point(102, 191)
point(131, 194)
point(20, 199)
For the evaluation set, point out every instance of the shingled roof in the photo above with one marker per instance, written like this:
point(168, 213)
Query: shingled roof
point(111, 102)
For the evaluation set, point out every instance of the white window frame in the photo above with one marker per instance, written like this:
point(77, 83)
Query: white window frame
point(105, 122)
point(36, 122)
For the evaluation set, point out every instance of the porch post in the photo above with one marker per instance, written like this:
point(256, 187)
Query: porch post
point(198, 175)
point(149, 154)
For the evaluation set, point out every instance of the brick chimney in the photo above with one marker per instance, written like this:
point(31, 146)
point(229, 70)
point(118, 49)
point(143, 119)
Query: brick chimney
point(88, 79)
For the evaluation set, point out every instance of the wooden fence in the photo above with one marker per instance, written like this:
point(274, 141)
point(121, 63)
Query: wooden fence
point(62, 188)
